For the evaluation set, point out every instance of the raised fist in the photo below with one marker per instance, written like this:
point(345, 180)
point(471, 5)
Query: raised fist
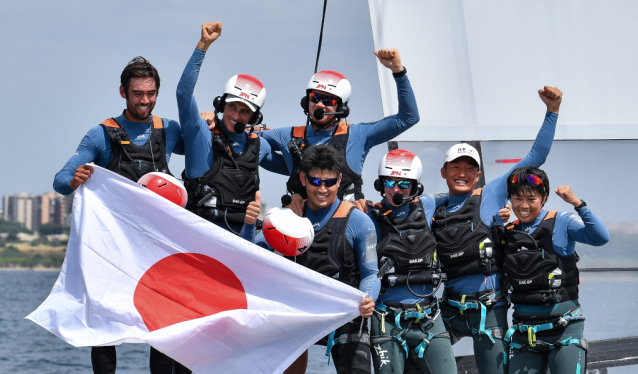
point(210, 32)
point(552, 97)
point(390, 58)
point(566, 193)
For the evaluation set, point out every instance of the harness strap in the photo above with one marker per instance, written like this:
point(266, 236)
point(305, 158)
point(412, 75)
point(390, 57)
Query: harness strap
point(532, 329)
point(420, 349)
point(345, 339)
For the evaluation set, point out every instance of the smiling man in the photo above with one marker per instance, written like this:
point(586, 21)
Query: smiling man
point(325, 104)
point(132, 144)
point(469, 247)
point(222, 165)
point(344, 249)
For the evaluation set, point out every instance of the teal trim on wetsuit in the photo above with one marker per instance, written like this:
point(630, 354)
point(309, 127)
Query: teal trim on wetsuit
point(427, 344)
point(569, 228)
point(359, 232)
point(96, 147)
point(363, 136)
point(488, 350)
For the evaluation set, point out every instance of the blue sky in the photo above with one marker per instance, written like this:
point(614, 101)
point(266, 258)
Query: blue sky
point(61, 61)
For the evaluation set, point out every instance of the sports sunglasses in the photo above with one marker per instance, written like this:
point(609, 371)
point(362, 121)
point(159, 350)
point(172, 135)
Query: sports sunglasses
point(531, 179)
point(326, 100)
point(404, 185)
point(329, 182)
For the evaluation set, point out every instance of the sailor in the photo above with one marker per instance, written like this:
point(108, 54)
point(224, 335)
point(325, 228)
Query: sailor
point(409, 271)
point(344, 249)
point(541, 273)
point(222, 165)
point(326, 103)
point(469, 243)
point(131, 144)
point(406, 327)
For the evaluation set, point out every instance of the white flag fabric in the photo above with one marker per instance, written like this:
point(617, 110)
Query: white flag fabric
point(140, 269)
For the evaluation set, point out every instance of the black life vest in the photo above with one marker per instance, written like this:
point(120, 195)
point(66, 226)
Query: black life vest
point(407, 242)
point(530, 266)
point(462, 240)
point(351, 182)
point(231, 181)
point(330, 253)
point(133, 161)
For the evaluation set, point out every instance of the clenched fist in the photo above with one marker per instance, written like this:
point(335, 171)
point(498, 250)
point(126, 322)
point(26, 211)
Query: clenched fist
point(566, 193)
point(210, 32)
point(552, 97)
point(390, 58)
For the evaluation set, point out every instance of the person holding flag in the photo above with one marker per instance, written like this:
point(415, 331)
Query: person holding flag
point(469, 243)
point(344, 249)
point(222, 165)
point(132, 145)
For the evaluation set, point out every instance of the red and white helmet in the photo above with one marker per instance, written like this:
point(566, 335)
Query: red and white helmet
point(166, 186)
point(401, 164)
point(331, 82)
point(247, 89)
point(286, 232)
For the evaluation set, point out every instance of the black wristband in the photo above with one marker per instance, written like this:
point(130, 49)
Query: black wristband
point(581, 206)
point(401, 73)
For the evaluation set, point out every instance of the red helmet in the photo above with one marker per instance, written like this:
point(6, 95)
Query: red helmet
point(166, 186)
point(286, 232)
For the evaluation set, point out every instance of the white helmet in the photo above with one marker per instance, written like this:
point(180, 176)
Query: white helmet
point(166, 186)
point(331, 82)
point(286, 232)
point(247, 89)
point(401, 164)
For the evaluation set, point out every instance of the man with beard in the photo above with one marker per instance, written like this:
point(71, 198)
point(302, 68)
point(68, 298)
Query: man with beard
point(131, 145)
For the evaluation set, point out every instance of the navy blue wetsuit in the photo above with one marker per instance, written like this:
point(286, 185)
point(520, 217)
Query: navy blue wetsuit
point(198, 138)
point(569, 228)
point(488, 351)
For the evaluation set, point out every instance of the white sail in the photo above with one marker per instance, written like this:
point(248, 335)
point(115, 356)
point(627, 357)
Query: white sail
point(476, 66)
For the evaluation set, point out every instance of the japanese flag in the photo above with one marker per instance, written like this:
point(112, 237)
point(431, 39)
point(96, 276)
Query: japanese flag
point(140, 269)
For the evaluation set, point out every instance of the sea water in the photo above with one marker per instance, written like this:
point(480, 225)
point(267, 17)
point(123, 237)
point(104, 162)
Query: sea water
point(609, 302)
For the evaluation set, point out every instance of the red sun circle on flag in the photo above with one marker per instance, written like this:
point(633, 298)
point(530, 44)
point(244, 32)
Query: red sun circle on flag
point(186, 286)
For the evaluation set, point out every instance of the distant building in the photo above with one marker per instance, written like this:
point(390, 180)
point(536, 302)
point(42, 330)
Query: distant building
point(34, 211)
point(22, 207)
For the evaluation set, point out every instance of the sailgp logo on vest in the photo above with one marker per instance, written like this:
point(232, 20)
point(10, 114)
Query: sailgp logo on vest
point(315, 225)
point(458, 254)
point(525, 281)
point(235, 201)
point(416, 261)
point(141, 136)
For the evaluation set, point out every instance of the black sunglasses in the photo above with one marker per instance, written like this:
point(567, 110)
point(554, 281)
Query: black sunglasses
point(326, 100)
point(328, 182)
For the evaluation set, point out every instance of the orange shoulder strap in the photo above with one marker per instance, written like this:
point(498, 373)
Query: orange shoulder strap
point(299, 132)
point(254, 136)
point(157, 122)
point(109, 123)
point(551, 214)
point(477, 191)
point(511, 226)
point(343, 209)
point(342, 128)
point(378, 205)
